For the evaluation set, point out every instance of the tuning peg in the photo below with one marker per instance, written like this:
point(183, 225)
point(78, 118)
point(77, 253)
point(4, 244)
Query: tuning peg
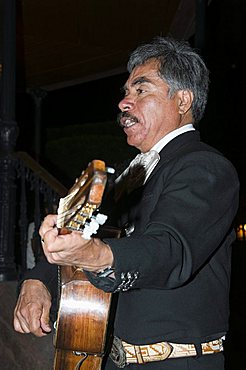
point(101, 218)
point(110, 170)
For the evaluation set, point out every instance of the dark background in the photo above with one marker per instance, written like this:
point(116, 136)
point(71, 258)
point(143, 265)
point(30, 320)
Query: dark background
point(223, 125)
point(78, 123)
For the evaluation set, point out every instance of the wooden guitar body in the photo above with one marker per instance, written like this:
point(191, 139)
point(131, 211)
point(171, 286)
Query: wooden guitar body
point(81, 324)
point(83, 313)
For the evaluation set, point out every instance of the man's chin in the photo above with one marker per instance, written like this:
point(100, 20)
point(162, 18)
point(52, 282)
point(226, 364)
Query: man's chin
point(132, 141)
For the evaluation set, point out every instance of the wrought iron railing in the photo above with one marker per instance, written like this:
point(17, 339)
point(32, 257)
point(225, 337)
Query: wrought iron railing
point(38, 193)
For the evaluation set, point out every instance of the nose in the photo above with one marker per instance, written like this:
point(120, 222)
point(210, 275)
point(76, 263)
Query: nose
point(126, 104)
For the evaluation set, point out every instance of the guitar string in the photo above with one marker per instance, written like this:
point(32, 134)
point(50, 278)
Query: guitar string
point(83, 215)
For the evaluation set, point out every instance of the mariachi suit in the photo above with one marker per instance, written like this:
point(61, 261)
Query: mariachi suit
point(173, 271)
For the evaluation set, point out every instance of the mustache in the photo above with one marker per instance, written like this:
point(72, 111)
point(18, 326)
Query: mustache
point(124, 116)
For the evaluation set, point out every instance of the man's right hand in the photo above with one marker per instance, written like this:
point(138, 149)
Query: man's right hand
point(31, 314)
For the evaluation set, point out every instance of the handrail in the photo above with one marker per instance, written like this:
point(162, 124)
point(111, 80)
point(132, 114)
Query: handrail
point(39, 192)
point(42, 173)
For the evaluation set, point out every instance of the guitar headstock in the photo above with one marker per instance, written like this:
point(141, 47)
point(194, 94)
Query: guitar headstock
point(79, 209)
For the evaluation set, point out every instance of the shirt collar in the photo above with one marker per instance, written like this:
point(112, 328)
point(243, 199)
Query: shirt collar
point(171, 135)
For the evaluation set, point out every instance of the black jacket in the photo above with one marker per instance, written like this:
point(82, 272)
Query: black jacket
point(173, 271)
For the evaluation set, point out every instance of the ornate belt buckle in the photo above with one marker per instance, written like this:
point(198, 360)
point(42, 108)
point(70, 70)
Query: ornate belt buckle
point(167, 350)
point(117, 354)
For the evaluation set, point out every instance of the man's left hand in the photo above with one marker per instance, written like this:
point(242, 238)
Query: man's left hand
point(72, 248)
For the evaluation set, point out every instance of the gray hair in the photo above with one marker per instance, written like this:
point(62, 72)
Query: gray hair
point(179, 65)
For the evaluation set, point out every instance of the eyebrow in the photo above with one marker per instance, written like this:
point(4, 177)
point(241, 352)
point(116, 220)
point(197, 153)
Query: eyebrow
point(137, 81)
point(140, 80)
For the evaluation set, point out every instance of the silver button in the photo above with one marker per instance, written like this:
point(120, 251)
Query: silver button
point(129, 228)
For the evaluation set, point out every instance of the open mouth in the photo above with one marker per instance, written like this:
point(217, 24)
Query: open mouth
point(127, 120)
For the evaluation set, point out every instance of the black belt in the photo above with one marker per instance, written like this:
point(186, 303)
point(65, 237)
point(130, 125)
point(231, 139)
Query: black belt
point(123, 353)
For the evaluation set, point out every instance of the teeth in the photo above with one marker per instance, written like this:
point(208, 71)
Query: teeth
point(129, 122)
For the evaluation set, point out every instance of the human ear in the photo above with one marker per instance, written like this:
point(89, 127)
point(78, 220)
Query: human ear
point(185, 99)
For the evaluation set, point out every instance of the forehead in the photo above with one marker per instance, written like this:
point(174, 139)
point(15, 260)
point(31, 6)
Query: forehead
point(147, 72)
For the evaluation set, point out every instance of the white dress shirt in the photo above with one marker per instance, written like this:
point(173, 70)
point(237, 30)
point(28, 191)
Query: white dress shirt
point(140, 168)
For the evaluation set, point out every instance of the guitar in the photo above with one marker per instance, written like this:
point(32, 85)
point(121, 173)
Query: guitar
point(83, 314)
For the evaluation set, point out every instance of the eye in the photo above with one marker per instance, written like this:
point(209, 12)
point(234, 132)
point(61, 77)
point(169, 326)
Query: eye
point(140, 91)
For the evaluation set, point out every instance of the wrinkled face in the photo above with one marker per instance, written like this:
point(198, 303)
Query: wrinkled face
point(148, 114)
